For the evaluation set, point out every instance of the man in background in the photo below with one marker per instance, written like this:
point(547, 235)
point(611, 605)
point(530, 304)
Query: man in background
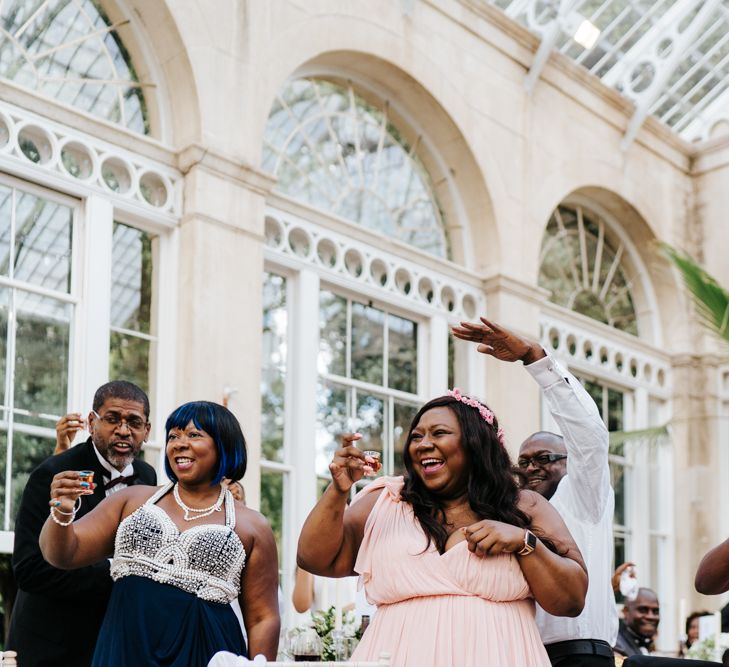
point(639, 625)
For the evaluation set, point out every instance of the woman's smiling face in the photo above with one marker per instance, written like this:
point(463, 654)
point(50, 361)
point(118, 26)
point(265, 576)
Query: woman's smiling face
point(437, 455)
point(192, 454)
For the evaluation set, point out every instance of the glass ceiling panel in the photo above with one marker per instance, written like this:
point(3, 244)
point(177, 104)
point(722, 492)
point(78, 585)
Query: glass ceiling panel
point(670, 57)
point(70, 50)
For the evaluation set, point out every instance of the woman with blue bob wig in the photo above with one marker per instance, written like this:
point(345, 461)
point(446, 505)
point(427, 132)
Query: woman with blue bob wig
point(223, 427)
point(181, 553)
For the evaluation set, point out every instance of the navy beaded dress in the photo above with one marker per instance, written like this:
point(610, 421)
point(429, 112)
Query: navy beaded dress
point(170, 603)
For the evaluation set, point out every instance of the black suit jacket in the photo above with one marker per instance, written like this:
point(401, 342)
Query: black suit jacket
point(58, 613)
point(626, 643)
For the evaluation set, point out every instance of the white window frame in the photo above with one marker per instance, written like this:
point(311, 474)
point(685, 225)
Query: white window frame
point(96, 208)
point(306, 276)
point(71, 298)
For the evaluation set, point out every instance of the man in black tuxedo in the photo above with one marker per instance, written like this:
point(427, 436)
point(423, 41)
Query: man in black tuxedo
point(58, 613)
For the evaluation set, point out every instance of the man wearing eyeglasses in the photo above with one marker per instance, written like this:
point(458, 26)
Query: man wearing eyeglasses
point(572, 472)
point(58, 613)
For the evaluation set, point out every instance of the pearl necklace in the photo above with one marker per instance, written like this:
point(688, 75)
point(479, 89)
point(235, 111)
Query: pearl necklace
point(206, 511)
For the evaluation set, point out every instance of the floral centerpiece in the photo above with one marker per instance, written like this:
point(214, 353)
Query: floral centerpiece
point(706, 648)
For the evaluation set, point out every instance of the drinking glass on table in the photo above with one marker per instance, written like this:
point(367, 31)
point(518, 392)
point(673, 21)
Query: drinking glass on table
point(306, 646)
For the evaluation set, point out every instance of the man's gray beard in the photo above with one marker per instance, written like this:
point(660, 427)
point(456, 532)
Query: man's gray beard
point(120, 461)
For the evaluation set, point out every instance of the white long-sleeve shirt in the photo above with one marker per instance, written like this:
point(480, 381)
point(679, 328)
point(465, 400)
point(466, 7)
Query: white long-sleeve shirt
point(585, 501)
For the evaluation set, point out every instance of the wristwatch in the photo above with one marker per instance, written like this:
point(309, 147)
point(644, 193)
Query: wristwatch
point(530, 543)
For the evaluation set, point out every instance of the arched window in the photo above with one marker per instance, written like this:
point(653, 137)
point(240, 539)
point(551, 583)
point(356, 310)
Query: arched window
point(69, 50)
point(580, 265)
point(330, 148)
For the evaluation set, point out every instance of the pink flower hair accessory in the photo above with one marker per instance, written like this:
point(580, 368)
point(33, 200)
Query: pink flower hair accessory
point(483, 410)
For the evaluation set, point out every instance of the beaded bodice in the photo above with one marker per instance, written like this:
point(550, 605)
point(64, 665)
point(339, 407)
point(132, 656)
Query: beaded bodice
point(206, 560)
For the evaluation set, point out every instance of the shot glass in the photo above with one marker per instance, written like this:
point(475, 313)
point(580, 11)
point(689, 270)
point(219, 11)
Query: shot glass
point(87, 476)
point(376, 464)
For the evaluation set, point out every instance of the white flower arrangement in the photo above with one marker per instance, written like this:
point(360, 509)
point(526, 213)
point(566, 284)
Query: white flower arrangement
point(707, 650)
point(323, 622)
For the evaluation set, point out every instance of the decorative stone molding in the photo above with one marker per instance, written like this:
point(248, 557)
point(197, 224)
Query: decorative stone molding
point(294, 241)
point(34, 147)
point(607, 357)
point(226, 166)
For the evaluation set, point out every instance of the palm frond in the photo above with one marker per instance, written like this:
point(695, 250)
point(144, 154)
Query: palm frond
point(712, 300)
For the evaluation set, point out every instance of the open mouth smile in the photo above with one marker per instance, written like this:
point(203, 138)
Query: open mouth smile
point(432, 465)
point(183, 462)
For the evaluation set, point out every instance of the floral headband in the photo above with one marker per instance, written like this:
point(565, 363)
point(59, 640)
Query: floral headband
point(483, 410)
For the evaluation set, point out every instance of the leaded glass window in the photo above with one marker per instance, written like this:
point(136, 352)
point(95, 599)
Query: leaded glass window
point(36, 310)
point(70, 50)
point(610, 402)
point(276, 472)
point(368, 380)
point(580, 265)
point(333, 150)
point(132, 327)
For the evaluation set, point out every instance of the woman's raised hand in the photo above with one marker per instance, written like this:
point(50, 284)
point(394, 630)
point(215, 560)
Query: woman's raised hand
point(66, 488)
point(349, 464)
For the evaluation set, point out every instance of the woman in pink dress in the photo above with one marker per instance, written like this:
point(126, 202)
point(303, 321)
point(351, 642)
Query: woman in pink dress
point(454, 553)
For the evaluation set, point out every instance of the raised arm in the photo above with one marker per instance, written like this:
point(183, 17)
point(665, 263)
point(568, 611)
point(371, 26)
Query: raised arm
point(259, 585)
point(332, 533)
point(32, 572)
point(712, 577)
point(558, 581)
point(584, 432)
point(66, 429)
point(91, 538)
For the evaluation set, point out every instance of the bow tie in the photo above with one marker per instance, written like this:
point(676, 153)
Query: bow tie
point(128, 480)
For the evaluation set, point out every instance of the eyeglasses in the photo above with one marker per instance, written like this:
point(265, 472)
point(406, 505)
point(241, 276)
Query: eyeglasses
point(114, 419)
point(540, 460)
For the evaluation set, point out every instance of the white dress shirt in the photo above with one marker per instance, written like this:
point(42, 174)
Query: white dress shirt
point(112, 473)
point(585, 500)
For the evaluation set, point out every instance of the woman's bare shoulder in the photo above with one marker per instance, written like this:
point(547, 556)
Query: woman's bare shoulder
point(133, 497)
point(530, 501)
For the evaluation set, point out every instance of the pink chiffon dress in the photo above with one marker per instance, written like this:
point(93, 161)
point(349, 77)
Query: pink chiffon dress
point(446, 610)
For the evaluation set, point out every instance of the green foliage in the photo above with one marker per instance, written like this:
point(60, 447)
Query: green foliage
point(706, 648)
point(272, 497)
point(711, 299)
point(324, 622)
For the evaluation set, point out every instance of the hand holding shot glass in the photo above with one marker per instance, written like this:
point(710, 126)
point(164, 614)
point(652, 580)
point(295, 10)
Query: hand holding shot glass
point(87, 477)
point(373, 462)
point(67, 488)
point(350, 463)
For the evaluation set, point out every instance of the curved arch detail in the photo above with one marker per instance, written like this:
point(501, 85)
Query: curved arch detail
point(457, 176)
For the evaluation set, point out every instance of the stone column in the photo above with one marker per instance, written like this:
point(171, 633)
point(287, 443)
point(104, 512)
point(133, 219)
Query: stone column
point(696, 445)
point(219, 299)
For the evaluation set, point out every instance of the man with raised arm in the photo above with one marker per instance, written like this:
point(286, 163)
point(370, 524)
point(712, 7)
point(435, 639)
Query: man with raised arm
point(119, 425)
point(570, 470)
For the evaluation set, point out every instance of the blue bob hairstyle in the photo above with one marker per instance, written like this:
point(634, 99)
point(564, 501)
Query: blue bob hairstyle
point(222, 426)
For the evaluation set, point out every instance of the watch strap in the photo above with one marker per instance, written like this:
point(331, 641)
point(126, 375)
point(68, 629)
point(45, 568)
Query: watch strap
point(530, 543)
